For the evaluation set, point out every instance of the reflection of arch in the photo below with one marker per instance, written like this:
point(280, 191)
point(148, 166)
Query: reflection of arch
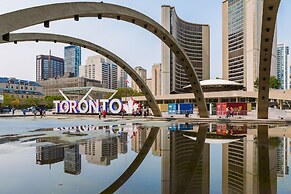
point(70, 40)
point(197, 151)
point(270, 10)
point(28, 17)
point(136, 162)
point(264, 159)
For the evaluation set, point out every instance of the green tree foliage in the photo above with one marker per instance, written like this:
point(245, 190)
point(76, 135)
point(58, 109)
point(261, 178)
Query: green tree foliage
point(22, 103)
point(273, 83)
point(125, 92)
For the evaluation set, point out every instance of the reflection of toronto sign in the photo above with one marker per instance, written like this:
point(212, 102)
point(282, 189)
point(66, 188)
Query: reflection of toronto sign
point(113, 106)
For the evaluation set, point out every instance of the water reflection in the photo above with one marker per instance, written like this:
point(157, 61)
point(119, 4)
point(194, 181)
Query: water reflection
point(136, 162)
point(49, 154)
point(252, 158)
point(72, 159)
point(185, 162)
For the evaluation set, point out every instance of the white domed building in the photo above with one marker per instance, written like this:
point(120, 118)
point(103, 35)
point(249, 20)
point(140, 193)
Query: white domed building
point(216, 85)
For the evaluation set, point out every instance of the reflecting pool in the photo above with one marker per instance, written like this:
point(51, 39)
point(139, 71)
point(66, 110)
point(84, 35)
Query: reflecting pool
point(142, 156)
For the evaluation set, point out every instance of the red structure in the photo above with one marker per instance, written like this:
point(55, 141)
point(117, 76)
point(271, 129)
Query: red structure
point(238, 108)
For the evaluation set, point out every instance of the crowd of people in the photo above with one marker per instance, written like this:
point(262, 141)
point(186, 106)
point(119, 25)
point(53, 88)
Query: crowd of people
point(35, 111)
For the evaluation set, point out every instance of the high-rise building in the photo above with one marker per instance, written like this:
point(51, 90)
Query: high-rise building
point(156, 79)
point(49, 154)
point(122, 142)
point(138, 140)
point(283, 155)
point(283, 66)
point(177, 155)
point(72, 159)
point(102, 69)
point(241, 38)
point(143, 74)
point(149, 83)
point(72, 59)
point(48, 66)
point(122, 78)
point(240, 166)
point(100, 151)
point(195, 40)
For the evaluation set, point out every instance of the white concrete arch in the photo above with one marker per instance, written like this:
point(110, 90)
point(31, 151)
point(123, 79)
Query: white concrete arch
point(270, 11)
point(20, 37)
point(45, 14)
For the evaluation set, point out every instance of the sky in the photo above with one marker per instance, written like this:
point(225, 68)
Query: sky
point(133, 44)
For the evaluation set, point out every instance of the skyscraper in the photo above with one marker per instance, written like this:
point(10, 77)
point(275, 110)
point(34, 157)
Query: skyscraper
point(48, 66)
point(100, 151)
point(177, 155)
point(283, 66)
point(143, 74)
point(72, 159)
point(102, 69)
point(241, 38)
point(240, 166)
point(283, 155)
point(156, 79)
point(121, 78)
point(72, 59)
point(195, 40)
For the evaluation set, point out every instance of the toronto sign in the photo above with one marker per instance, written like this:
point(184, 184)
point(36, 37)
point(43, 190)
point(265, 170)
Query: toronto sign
point(113, 106)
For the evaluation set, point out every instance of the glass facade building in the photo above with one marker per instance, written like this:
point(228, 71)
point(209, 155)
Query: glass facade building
point(241, 40)
point(72, 59)
point(48, 66)
point(283, 66)
point(195, 40)
point(235, 39)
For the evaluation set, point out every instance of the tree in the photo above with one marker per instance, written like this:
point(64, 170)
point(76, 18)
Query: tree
point(273, 83)
point(47, 101)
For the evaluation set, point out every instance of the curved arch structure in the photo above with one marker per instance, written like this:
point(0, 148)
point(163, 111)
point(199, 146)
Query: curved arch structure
point(70, 40)
point(44, 14)
point(270, 11)
point(195, 158)
point(135, 163)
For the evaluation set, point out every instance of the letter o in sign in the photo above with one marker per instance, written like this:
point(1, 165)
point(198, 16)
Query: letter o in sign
point(111, 106)
point(83, 106)
point(65, 106)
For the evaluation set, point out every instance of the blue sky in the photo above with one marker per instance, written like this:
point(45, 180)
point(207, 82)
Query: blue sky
point(132, 43)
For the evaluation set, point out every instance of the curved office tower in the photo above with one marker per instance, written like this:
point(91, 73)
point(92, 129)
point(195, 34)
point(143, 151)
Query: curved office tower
point(195, 40)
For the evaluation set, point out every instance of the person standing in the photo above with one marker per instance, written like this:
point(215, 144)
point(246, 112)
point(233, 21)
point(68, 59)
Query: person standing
point(104, 114)
point(227, 112)
point(122, 113)
point(231, 111)
point(41, 112)
point(99, 114)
